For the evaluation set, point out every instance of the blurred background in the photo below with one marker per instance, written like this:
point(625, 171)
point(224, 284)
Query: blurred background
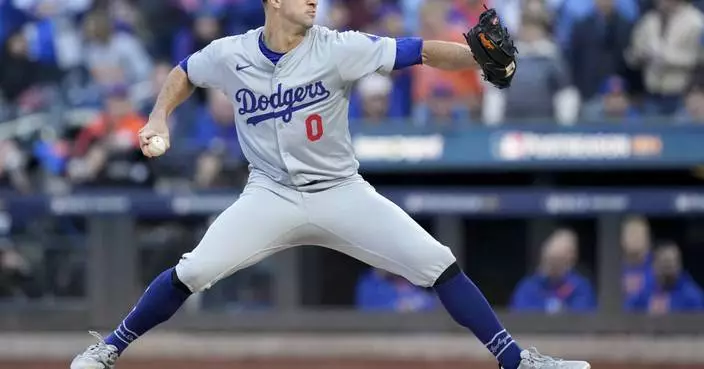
point(574, 199)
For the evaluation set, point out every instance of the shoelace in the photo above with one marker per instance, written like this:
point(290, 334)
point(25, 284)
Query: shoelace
point(101, 349)
point(538, 358)
point(97, 336)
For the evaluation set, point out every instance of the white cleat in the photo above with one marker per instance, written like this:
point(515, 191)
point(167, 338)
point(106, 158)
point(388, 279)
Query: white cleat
point(532, 359)
point(96, 356)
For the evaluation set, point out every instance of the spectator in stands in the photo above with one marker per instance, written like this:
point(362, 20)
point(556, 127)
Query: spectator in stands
point(241, 15)
point(637, 256)
point(542, 87)
point(465, 13)
point(362, 12)
point(52, 34)
point(411, 14)
point(163, 20)
point(556, 287)
point(595, 52)
point(442, 108)
point(375, 100)
point(115, 57)
point(47, 9)
point(693, 111)
point(378, 290)
point(535, 9)
point(107, 150)
point(51, 151)
point(336, 17)
point(125, 16)
point(566, 13)
point(466, 85)
point(511, 12)
point(612, 104)
point(673, 289)
point(221, 162)
point(205, 27)
point(21, 77)
point(13, 167)
point(11, 19)
point(390, 22)
point(668, 58)
point(17, 279)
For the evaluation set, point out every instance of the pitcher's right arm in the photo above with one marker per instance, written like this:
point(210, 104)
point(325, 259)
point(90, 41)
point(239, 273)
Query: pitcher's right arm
point(201, 69)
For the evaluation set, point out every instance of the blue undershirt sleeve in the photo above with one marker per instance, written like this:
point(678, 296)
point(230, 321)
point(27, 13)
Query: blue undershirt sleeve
point(409, 52)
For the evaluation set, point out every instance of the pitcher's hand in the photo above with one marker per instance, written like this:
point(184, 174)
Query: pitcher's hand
point(155, 127)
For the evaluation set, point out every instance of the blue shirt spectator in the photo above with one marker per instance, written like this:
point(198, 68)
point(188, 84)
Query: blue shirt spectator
point(637, 256)
point(556, 287)
point(41, 42)
point(377, 290)
point(11, 19)
point(220, 162)
point(205, 28)
point(637, 277)
point(441, 109)
point(539, 293)
point(673, 289)
point(214, 131)
point(568, 12)
point(52, 155)
point(596, 47)
point(411, 14)
point(612, 103)
point(244, 15)
point(682, 295)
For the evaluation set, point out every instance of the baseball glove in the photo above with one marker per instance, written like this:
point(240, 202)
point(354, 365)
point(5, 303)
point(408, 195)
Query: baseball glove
point(493, 49)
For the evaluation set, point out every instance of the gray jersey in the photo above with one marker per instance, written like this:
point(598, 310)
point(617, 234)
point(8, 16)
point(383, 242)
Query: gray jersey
point(292, 117)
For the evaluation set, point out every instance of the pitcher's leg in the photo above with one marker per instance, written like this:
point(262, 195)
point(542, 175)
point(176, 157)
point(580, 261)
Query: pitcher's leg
point(367, 226)
point(260, 223)
point(255, 226)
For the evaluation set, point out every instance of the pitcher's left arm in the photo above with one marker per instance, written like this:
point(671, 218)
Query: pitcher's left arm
point(447, 55)
point(489, 46)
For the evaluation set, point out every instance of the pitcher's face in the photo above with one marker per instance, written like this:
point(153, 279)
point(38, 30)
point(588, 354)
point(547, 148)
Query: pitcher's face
point(299, 12)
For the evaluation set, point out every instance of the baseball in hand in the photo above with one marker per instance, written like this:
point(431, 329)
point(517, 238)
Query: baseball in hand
point(157, 146)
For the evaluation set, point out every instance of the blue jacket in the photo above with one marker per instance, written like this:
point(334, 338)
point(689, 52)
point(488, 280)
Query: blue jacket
point(209, 133)
point(570, 12)
point(635, 279)
point(376, 293)
point(686, 295)
point(536, 294)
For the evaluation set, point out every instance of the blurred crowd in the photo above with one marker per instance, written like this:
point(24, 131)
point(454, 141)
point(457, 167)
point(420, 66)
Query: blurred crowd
point(653, 280)
point(94, 67)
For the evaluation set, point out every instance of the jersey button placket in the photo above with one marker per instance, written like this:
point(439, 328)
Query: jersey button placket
point(279, 124)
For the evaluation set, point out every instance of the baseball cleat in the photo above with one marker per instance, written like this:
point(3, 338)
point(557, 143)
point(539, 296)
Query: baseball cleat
point(97, 356)
point(532, 359)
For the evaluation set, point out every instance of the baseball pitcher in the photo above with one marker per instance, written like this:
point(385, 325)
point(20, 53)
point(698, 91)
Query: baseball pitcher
point(289, 82)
